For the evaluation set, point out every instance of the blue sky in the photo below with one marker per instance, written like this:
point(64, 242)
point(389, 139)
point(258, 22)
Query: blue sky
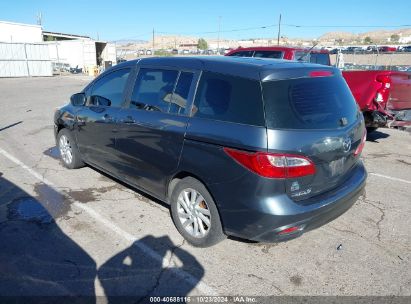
point(115, 20)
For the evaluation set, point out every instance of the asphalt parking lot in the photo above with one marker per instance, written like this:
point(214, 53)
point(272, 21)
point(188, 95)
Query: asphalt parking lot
point(98, 237)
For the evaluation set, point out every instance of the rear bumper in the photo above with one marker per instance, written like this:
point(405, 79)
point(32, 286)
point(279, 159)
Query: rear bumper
point(265, 217)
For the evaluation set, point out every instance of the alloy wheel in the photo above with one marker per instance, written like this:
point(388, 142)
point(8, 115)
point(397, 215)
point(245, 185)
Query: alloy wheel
point(65, 149)
point(193, 213)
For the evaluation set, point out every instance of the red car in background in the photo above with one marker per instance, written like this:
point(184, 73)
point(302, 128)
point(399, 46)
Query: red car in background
point(387, 49)
point(381, 95)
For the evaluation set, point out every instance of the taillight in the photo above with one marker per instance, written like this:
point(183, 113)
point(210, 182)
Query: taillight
point(273, 165)
point(383, 92)
point(361, 145)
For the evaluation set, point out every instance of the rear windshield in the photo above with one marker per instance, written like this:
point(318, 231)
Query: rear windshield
point(268, 54)
point(320, 58)
point(309, 103)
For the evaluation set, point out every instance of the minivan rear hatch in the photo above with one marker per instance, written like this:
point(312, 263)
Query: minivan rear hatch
point(314, 116)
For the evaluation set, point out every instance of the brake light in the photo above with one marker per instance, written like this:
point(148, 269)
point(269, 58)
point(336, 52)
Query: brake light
point(383, 92)
point(320, 73)
point(273, 165)
point(385, 80)
point(361, 145)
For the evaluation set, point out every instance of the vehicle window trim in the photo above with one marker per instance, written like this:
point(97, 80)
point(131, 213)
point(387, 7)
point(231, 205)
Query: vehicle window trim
point(91, 86)
point(191, 94)
point(214, 119)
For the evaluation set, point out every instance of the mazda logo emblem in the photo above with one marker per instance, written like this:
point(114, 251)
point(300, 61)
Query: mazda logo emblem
point(347, 144)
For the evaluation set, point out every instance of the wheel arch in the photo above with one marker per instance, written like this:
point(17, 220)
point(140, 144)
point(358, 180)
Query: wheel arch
point(179, 176)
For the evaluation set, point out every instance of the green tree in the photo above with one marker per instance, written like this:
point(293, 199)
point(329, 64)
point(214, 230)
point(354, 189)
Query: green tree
point(395, 38)
point(49, 38)
point(367, 40)
point(202, 44)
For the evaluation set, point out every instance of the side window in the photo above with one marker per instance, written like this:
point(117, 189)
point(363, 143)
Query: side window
point(269, 54)
point(179, 99)
point(320, 58)
point(243, 54)
point(229, 98)
point(153, 89)
point(299, 54)
point(109, 89)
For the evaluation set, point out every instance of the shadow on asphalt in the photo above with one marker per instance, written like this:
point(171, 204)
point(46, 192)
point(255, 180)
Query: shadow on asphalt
point(40, 263)
point(376, 135)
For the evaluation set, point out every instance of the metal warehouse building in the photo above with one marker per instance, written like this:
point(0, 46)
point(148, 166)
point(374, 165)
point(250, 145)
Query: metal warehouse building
point(24, 53)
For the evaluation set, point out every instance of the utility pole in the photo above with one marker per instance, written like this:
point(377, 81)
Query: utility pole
point(279, 30)
point(218, 38)
point(153, 40)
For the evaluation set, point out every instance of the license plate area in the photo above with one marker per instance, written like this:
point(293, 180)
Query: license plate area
point(337, 166)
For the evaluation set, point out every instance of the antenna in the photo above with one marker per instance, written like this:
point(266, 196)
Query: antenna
point(39, 18)
point(279, 30)
point(308, 52)
point(153, 40)
point(219, 31)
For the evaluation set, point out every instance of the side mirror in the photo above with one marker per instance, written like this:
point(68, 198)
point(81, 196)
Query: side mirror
point(78, 99)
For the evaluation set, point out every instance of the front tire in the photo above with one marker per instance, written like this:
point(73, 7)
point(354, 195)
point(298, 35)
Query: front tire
point(195, 214)
point(69, 153)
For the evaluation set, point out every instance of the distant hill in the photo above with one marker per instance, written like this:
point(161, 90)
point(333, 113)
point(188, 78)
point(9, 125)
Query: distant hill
point(130, 41)
point(378, 35)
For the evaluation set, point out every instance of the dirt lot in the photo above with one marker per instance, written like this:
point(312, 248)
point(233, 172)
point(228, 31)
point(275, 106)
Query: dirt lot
point(99, 237)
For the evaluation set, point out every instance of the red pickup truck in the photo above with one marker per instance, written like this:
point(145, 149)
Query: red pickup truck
point(381, 95)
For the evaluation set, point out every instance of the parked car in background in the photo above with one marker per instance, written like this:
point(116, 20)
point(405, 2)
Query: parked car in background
point(196, 133)
point(387, 49)
point(185, 52)
point(288, 53)
point(353, 50)
point(371, 49)
point(149, 52)
point(406, 48)
point(374, 90)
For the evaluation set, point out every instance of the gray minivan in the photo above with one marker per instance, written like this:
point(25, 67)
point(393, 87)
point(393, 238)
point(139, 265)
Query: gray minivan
point(254, 148)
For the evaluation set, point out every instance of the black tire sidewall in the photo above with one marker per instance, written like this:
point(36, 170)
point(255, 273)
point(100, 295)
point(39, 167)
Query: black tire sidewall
point(215, 233)
point(76, 161)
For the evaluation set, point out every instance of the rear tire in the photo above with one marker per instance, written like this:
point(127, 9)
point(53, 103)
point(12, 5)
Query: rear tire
point(69, 153)
point(195, 214)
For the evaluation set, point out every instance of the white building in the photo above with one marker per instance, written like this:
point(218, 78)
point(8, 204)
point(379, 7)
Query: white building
point(24, 53)
point(82, 53)
point(406, 39)
point(18, 32)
